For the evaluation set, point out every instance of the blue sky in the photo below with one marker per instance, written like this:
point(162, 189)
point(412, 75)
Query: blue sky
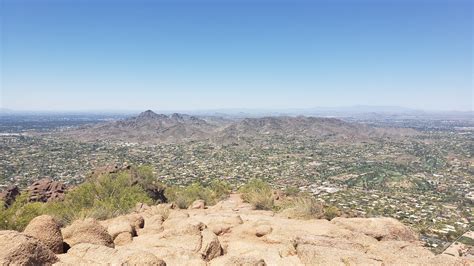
point(188, 55)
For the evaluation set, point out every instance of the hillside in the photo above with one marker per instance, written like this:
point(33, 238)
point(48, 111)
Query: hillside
point(290, 127)
point(149, 127)
point(229, 233)
point(146, 127)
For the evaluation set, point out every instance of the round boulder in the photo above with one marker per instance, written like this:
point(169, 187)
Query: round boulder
point(120, 226)
point(20, 249)
point(136, 221)
point(141, 258)
point(46, 229)
point(123, 239)
point(87, 231)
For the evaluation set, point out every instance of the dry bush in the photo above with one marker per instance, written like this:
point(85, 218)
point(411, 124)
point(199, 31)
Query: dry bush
point(303, 207)
point(258, 193)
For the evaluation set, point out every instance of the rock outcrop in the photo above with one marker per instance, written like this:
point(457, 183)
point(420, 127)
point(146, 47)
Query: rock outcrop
point(90, 254)
point(378, 228)
point(87, 231)
point(230, 233)
point(47, 230)
point(20, 249)
point(9, 195)
point(45, 190)
point(123, 228)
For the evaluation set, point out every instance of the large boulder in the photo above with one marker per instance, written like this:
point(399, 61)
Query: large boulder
point(153, 224)
point(210, 245)
point(87, 231)
point(120, 226)
point(222, 224)
point(20, 249)
point(136, 220)
point(131, 223)
point(9, 195)
point(90, 254)
point(45, 190)
point(46, 229)
point(161, 209)
point(140, 257)
point(123, 239)
point(378, 228)
point(322, 255)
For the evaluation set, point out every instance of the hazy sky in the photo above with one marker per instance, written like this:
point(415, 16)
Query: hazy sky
point(79, 55)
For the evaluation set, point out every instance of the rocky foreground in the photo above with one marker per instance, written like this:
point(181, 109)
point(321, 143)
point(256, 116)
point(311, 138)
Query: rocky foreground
point(229, 233)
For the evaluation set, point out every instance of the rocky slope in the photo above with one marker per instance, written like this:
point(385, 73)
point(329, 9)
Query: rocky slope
point(303, 127)
point(146, 127)
point(229, 233)
point(149, 127)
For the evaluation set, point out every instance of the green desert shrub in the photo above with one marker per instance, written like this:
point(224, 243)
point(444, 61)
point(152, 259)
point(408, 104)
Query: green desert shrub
point(144, 177)
point(331, 212)
point(145, 173)
point(211, 194)
point(3, 216)
point(258, 193)
point(220, 190)
point(20, 213)
point(184, 196)
point(102, 198)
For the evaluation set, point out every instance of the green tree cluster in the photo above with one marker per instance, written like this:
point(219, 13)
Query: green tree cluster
point(103, 197)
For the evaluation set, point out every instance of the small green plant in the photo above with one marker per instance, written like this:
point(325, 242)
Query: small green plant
point(220, 189)
point(211, 194)
point(184, 196)
point(331, 212)
point(258, 193)
point(3, 216)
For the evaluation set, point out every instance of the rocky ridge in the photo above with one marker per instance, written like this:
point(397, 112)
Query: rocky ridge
point(229, 233)
point(9, 195)
point(45, 190)
point(149, 127)
point(146, 127)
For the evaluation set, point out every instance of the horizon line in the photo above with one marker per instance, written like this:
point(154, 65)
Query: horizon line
point(402, 109)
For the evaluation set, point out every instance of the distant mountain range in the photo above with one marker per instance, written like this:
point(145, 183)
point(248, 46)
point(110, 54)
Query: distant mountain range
point(149, 127)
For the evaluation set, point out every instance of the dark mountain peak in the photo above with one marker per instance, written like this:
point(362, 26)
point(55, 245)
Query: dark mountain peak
point(177, 116)
point(149, 114)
